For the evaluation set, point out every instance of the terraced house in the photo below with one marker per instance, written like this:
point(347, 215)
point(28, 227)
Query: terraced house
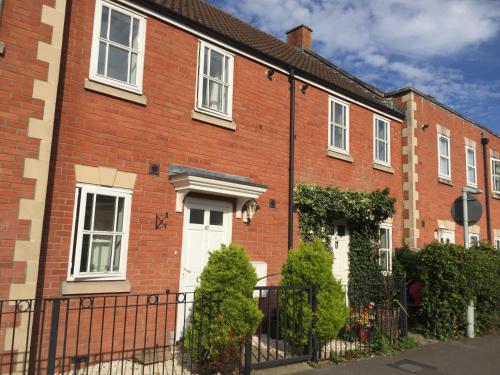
point(139, 135)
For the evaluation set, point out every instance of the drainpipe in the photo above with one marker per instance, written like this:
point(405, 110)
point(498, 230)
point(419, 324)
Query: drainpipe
point(291, 79)
point(484, 142)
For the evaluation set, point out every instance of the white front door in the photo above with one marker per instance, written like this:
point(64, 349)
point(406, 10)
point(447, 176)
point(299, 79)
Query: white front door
point(207, 225)
point(340, 248)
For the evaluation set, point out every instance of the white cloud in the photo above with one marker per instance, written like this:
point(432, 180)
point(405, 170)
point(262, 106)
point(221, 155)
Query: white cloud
point(391, 43)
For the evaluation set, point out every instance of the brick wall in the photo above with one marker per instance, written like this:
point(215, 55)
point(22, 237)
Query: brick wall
point(435, 198)
point(21, 29)
point(98, 130)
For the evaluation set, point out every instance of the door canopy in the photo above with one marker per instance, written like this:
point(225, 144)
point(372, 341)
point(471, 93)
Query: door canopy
point(187, 180)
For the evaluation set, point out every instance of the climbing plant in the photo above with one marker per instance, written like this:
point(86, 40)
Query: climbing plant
point(318, 207)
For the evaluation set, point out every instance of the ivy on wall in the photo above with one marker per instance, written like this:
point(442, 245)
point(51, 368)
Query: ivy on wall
point(318, 207)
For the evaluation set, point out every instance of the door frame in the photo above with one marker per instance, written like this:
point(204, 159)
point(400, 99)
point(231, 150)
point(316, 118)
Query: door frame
point(204, 203)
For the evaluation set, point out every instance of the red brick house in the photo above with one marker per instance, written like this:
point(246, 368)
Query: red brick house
point(144, 133)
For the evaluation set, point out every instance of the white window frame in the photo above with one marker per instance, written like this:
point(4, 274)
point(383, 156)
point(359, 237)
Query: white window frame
point(444, 231)
point(199, 82)
point(473, 235)
point(94, 56)
point(497, 243)
point(387, 227)
point(448, 157)
point(331, 116)
point(387, 142)
point(467, 166)
point(94, 189)
point(493, 175)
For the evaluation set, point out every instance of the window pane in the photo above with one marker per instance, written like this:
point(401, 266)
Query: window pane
point(496, 167)
point(85, 252)
point(384, 244)
point(215, 93)
point(224, 98)
point(205, 92)
point(133, 68)
point(119, 214)
point(339, 114)
point(205, 59)
point(104, 217)
point(471, 175)
point(339, 138)
point(104, 22)
point(443, 146)
point(226, 69)
point(116, 259)
point(381, 151)
point(119, 30)
point(101, 63)
point(381, 130)
point(100, 260)
point(341, 230)
point(196, 216)
point(443, 166)
point(117, 63)
point(384, 262)
point(470, 158)
point(497, 183)
point(216, 217)
point(135, 33)
point(216, 60)
point(88, 212)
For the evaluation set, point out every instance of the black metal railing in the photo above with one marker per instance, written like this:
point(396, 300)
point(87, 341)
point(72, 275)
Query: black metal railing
point(145, 333)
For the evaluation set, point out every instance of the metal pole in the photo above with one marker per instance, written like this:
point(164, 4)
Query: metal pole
point(54, 327)
point(466, 218)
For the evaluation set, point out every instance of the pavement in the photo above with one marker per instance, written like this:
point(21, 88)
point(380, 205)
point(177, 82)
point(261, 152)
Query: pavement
point(479, 356)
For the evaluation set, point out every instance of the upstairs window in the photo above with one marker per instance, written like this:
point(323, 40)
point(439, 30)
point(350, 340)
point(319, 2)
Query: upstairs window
point(385, 248)
point(382, 150)
point(470, 160)
point(446, 236)
point(117, 55)
point(338, 131)
point(497, 243)
point(215, 81)
point(444, 156)
point(495, 175)
point(101, 222)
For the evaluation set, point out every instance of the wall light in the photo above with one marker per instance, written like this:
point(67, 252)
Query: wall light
point(269, 73)
point(304, 87)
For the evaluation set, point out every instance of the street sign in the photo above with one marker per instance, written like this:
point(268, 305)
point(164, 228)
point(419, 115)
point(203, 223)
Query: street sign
point(474, 208)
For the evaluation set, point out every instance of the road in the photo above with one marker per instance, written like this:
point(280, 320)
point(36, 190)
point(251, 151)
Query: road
point(480, 356)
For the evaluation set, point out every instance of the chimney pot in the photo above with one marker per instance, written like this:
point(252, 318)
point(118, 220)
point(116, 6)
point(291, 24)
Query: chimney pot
point(299, 36)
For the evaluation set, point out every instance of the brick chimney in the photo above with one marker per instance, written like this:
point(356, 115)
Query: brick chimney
point(299, 36)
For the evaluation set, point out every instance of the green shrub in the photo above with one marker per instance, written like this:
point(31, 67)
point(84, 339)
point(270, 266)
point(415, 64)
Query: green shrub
point(224, 313)
point(311, 264)
point(483, 270)
point(451, 277)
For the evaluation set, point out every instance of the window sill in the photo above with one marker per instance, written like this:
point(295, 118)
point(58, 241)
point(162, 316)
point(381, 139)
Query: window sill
point(339, 155)
point(112, 91)
point(383, 168)
point(212, 120)
point(94, 287)
point(495, 195)
point(445, 181)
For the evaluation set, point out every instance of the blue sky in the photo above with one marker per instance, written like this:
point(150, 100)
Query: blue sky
point(446, 48)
